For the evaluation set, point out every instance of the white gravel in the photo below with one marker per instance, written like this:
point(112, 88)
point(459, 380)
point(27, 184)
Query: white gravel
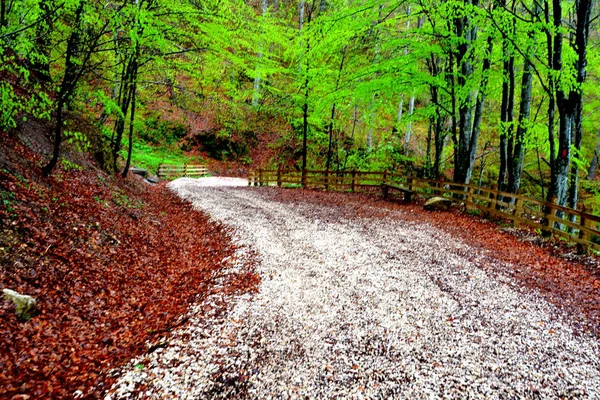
point(361, 308)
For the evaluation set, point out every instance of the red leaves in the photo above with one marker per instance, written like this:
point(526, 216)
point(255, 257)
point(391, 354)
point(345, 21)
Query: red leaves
point(106, 282)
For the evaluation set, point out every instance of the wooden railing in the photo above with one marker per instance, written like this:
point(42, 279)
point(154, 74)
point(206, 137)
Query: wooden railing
point(574, 225)
point(175, 171)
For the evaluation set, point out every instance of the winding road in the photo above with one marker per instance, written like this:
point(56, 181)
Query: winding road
point(360, 308)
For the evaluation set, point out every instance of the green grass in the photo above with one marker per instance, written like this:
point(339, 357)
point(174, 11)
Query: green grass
point(150, 157)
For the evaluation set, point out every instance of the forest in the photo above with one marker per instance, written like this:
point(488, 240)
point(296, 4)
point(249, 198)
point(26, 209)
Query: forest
point(490, 92)
point(210, 288)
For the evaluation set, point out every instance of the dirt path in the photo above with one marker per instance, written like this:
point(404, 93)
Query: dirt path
point(362, 308)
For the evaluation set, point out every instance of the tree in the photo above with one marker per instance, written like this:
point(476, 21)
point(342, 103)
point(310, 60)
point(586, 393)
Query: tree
point(83, 41)
point(566, 83)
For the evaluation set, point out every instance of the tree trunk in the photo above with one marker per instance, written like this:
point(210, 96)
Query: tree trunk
point(463, 164)
point(124, 101)
point(131, 120)
point(41, 64)
point(411, 109)
point(47, 170)
point(515, 169)
point(591, 174)
point(506, 116)
point(569, 102)
point(584, 10)
point(67, 86)
point(3, 14)
point(256, 94)
point(469, 127)
point(332, 118)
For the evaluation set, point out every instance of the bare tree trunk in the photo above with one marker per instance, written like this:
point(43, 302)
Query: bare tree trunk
point(67, 86)
point(411, 102)
point(569, 103)
point(584, 10)
point(306, 98)
point(332, 118)
point(591, 174)
point(516, 167)
point(463, 150)
point(506, 115)
point(124, 102)
point(411, 109)
point(469, 128)
point(133, 89)
point(256, 94)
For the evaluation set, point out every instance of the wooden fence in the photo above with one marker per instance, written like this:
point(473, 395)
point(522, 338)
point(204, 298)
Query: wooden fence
point(574, 225)
point(175, 171)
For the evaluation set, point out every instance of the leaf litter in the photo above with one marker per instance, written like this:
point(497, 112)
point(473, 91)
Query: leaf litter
point(114, 265)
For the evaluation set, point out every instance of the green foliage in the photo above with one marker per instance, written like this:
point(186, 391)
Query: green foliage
point(13, 105)
point(159, 131)
point(79, 139)
point(150, 157)
point(68, 165)
point(592, 202)
point(219, 74)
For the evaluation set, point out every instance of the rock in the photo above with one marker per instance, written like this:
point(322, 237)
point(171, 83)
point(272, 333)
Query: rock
point(438, 203)
point(26, 305)
point(152, 179)
point(138, 171)
point(21, 397)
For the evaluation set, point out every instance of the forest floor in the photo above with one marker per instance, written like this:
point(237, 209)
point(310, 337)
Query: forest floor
point(113, 263)
point(364, 298)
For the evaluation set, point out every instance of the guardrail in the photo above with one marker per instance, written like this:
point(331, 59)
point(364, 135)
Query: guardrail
point(576, 226)
point(175, 171)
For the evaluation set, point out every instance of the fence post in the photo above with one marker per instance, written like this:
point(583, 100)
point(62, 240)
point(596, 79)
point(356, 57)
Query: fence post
point(279, 176)
point(469, 198)
point(494, 199)
point(353, 180)
point(384, 176)
point(582, 248)
point(327, 179)
point(303, 179)
point(518, 212)
point(260, 177)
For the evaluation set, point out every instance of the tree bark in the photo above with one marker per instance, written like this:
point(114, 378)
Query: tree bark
point(569, 103)
point(515, 168)
point(131, 120)
point(124, 102)
point(256, 94)
point(67, 86)
point(584, 10)
point(591, 174)
point(506, 115)
point(468, 130)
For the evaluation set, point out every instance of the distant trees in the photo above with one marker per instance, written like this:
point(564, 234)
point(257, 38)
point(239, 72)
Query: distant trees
point(426, 84)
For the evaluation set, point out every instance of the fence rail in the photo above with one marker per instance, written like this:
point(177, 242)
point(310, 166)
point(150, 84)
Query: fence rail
point(175, 171)
point(576, 226)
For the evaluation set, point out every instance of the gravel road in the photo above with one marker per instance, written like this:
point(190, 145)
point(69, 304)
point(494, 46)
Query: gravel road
point(360, 308)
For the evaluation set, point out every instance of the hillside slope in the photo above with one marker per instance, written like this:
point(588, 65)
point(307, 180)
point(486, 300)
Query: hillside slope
point(113, 264)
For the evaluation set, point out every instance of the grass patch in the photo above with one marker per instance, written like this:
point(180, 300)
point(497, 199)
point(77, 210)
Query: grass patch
point(150, 157)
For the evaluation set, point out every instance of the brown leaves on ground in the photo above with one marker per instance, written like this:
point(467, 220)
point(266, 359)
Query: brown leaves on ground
point(113, 264)
point(570, 282)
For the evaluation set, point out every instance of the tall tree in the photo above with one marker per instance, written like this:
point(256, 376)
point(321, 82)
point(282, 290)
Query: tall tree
point(568, 93)
point(87, 28)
